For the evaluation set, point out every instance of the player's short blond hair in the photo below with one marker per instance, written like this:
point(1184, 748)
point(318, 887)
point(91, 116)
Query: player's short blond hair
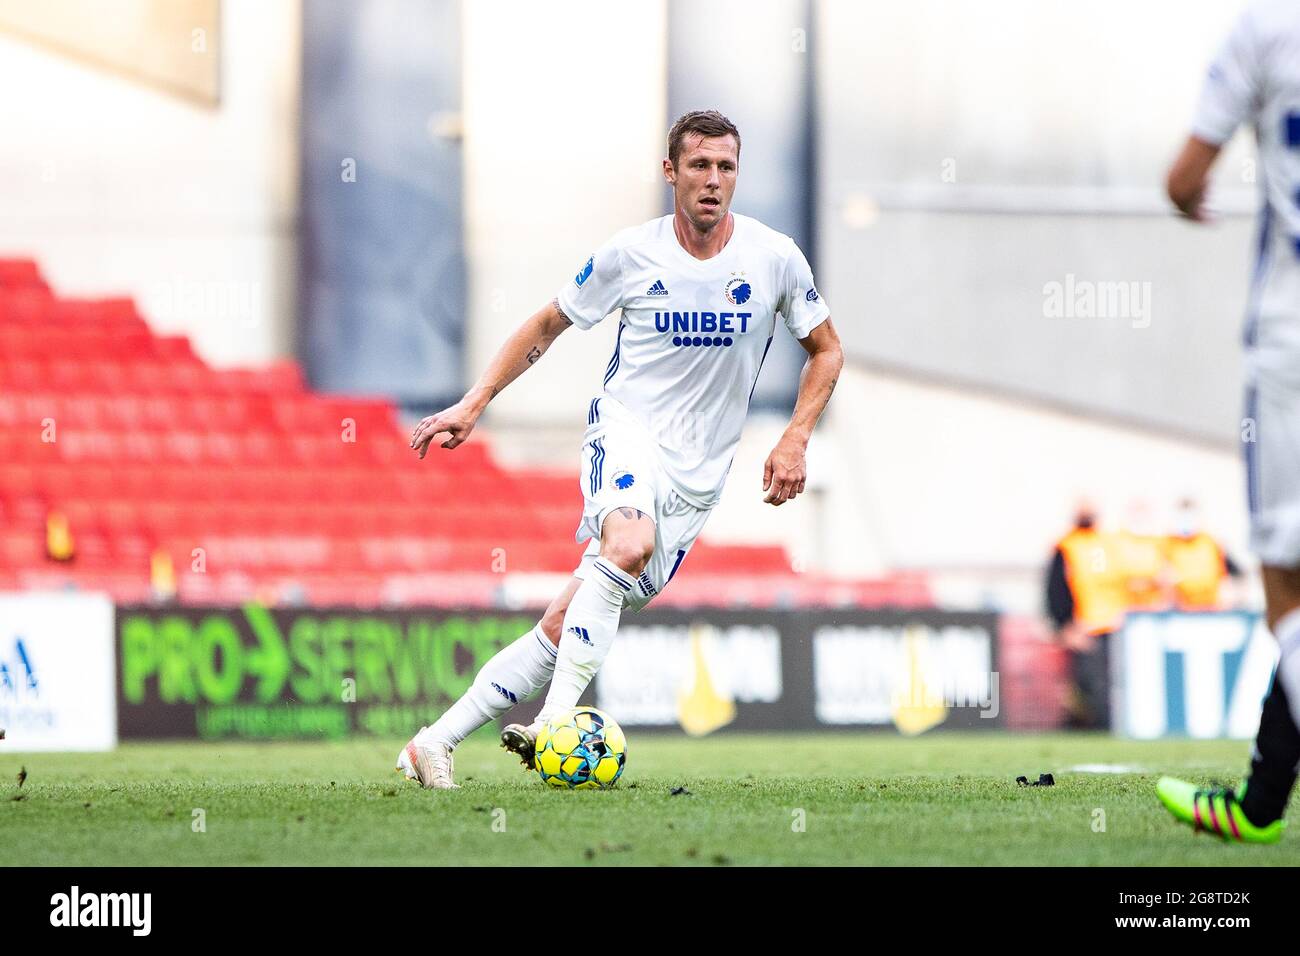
point(704, 122)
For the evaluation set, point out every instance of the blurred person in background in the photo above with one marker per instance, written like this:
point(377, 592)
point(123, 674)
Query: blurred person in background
point(1140, 548)
point(1200, 570)
point(1087, 597)
point(1255, 79)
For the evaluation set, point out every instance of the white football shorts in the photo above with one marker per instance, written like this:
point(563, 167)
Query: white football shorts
point(1272, 453)
point(1270, 434)
point(620, 469)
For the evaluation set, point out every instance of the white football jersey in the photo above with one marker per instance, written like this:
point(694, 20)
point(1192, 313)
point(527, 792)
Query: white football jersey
point(692, 337)
point(1256, 79)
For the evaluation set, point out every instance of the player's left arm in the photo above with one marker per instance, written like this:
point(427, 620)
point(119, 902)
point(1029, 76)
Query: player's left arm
point(785, 471)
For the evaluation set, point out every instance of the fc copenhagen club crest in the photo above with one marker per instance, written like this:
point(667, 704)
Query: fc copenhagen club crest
point(738, 290)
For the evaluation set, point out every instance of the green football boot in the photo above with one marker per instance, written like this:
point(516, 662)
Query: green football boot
point(1215, 810)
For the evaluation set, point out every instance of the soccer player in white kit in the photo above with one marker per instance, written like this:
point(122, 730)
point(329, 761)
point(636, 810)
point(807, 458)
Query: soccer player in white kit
point(1256, 78)
point(700, 292)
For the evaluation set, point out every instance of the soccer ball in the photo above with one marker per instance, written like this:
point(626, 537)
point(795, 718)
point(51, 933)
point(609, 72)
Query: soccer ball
point(581, 750)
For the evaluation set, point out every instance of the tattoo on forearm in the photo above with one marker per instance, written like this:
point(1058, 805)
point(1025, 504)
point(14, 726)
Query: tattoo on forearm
point(534, 354)
point(556, 304)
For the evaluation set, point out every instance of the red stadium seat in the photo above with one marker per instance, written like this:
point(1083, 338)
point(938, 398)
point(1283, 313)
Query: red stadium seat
point(20, 273)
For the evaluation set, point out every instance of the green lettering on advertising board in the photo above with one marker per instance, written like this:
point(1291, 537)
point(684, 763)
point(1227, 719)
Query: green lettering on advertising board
point(257, 672)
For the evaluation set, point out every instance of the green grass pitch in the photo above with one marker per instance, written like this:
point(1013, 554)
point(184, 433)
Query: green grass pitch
point(754, 799)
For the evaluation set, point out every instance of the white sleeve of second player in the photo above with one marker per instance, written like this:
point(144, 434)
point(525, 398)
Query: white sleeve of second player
point(596, 290)
point(1231, 89)
point(802, 306)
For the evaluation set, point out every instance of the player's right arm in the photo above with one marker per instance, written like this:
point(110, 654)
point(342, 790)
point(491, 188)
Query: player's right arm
point(1228, 99)
point(519, 353)
point(1189, 176)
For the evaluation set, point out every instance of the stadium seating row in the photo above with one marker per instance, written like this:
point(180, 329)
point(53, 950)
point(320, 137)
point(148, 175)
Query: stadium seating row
point(45, 443)
point(127, 481)
point(143, 376)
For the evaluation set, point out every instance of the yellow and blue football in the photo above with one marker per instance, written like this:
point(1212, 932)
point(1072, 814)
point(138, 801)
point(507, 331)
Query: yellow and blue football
point(584, 749)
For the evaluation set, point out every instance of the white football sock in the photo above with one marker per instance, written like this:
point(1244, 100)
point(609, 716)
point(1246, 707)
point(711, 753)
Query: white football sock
point(589, 627)
point(1288, 665)
point(514, 674)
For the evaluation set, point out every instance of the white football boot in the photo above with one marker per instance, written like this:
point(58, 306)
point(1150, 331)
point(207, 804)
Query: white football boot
point(404, 766)
point(433, 766)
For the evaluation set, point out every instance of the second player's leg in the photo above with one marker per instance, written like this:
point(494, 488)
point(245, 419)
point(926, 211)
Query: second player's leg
point(1274, 498)
point(1277, 745)
point(1254, 813)
point(1273, 493)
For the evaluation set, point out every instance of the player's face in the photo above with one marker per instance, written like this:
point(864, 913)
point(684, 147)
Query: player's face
point(705, 178)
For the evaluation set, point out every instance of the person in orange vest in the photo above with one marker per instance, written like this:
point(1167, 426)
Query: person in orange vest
point(1198, 565)
point(1142, 554)
point(1087, 598)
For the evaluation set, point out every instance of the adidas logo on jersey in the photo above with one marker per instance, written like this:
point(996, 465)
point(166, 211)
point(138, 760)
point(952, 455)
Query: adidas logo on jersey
point(657, 288)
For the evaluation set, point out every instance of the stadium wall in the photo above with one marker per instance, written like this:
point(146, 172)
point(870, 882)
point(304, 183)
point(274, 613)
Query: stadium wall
point(577, 162)
point(924, 475)
point(768, 93)
point(382, 293)
point(1007, 157)
point(116, 186)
